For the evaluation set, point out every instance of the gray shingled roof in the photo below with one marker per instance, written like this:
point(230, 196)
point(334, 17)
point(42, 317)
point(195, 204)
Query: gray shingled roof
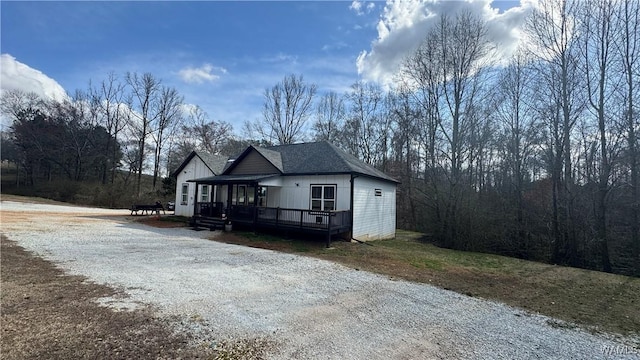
point(216, 163)
point(320, 158)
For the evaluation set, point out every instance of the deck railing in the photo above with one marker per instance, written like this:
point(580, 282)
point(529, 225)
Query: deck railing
point(302, 218)
point(279, 217)
point(209, 209)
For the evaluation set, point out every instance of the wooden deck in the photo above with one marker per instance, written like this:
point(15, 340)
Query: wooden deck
point(327, 223)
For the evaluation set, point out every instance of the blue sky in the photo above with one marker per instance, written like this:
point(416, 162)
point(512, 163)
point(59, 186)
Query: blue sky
point(219, 55)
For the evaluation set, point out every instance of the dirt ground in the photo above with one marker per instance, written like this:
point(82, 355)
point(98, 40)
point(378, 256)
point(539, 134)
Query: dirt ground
point(49, 315)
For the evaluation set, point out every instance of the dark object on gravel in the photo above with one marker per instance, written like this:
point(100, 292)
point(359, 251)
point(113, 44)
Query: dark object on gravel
point(145, 209)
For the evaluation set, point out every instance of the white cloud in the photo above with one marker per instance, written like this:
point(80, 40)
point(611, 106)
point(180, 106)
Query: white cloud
point(356, 6)
point(404, 23)
point(362, 7)
point(15, 75)
point(199, 75)
point(335, 46)
point(280, 58)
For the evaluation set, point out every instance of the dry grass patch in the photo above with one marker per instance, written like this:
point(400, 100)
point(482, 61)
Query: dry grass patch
point(161, 221)
point(49, 315)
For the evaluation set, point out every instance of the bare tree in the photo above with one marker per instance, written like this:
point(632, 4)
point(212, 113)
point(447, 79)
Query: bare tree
point(330, 115)
point(552, 27)
point(406, 115)
point(286, 110)
point(144, 91)
point(78, 116)
point(519, 135)
point(109, 100)
point(447, 72)
point(362, 130)
point(169, 115)
point(598, 28)
point(422, 72)
point(13, 102)
point(205, 134)
point(629, 51)
point(464, 47)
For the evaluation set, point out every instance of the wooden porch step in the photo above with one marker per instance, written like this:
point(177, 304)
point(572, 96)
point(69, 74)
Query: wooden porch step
point(210, 223)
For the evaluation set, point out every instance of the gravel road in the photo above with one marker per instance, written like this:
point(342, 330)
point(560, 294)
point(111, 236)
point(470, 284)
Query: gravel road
point(312, 309)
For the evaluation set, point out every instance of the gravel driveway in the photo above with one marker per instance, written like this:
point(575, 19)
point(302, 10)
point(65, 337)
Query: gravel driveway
point(312, 309)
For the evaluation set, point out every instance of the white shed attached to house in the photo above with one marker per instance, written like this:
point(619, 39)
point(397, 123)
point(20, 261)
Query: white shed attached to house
point(196, 165)
point(312, 187)
point(374, 207)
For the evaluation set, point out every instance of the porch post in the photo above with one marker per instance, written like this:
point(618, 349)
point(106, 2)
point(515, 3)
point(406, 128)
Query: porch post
point(353, 177)
point(229, 194)
point(255, 208)
point(212, 196)
point(329, 231)
point(195, 201)
point(255, 194)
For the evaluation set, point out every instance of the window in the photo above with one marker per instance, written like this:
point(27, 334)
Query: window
point(378, 192)
point(185, 194)
point(251, 195)
point(323, 197)
point(242, 194)
point(239, 195)
point(204, 194)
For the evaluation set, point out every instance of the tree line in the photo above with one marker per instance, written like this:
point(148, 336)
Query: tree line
point(535, 156)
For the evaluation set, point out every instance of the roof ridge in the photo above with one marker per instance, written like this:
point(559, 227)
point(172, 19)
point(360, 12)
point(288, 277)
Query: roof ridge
point(338, 152)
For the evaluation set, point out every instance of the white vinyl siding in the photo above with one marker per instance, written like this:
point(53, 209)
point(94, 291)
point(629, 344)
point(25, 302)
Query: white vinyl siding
point(295, 192)
point(195, 169)
point(374, 209)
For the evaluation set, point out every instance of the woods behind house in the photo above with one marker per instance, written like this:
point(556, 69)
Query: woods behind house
point(534, 156)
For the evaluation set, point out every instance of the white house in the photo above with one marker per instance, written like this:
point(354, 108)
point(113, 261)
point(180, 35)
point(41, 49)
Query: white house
point(311, 187)
point(196, 165)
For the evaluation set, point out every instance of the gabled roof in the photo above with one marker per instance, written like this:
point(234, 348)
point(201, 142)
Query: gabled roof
point(215, 163)
point(312, 159)
point(273, 157)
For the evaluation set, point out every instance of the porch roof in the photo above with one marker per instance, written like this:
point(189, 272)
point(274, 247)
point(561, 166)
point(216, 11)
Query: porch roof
point(231, 179)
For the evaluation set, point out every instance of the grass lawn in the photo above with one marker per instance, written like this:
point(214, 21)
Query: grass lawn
point(595, 300)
